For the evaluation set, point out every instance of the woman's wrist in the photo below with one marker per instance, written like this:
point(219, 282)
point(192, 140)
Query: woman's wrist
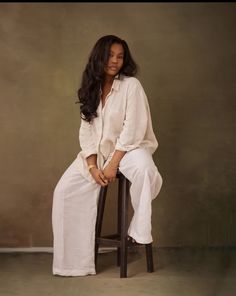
point(116, 158)
point(91, 166)
point(113, 165)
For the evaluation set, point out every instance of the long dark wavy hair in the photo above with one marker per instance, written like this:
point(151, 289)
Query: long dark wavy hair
point(93, 75)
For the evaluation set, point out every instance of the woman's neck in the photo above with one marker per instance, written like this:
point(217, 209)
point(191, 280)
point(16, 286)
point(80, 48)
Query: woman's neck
point(108, 80)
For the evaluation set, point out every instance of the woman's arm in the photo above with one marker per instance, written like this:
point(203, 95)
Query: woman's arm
point(90, 152)
point(86, 139)
point(134, 128)
point(97, 174)
point(136, 119)
point(111, 169)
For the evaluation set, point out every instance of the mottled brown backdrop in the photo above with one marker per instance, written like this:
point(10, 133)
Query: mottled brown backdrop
point(187, 56)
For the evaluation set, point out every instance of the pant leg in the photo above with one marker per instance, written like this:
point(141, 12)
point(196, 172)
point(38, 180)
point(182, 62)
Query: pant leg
point(146, 182)
point(74, 214)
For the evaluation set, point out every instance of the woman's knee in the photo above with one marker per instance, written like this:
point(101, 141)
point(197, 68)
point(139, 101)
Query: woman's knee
point(139, 158)
point(158, 183)
point(144, 165)
point(145, 170)
point(138, 163)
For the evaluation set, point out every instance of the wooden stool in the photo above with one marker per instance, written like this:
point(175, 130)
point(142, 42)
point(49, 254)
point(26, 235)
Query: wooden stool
point(119, 239)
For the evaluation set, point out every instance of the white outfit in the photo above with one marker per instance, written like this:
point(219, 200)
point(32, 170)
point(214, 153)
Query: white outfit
point(124, 123)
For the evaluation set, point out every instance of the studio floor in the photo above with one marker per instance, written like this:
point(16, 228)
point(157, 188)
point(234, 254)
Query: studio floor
point(178, 272)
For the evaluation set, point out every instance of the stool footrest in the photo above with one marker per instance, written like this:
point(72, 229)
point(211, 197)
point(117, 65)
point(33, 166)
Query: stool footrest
point(112, 236)
point(108, 242)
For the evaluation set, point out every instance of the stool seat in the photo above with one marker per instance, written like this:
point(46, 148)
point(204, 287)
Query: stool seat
point(119, 239)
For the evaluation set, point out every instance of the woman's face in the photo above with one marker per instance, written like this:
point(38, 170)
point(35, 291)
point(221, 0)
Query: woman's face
point(115, 61)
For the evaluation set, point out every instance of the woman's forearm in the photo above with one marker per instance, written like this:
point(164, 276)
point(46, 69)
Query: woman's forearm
point(116, 158)
point(92, 159)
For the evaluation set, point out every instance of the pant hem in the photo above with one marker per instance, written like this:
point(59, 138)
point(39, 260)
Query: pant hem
point(73, 272)
point(141, 240)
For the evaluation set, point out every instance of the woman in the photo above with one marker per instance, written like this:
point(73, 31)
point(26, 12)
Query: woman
point(115, 132)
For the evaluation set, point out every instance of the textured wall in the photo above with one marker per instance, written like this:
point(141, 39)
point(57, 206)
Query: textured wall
point(186, 52)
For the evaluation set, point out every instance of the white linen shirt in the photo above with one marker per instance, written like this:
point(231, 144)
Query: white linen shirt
point(124, 123)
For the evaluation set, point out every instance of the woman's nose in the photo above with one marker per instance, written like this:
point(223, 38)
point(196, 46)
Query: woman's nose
point(114, 59)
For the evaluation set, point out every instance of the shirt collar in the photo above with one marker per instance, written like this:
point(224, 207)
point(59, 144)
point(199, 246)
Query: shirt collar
point(115, 84)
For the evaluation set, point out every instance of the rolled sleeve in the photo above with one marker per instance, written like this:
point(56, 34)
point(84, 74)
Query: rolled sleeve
point(136, 119)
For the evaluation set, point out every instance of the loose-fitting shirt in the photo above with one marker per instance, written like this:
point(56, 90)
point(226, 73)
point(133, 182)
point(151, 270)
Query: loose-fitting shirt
point(124, 123)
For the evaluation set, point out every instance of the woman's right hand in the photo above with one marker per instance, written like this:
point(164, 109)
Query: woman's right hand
point(99, 177)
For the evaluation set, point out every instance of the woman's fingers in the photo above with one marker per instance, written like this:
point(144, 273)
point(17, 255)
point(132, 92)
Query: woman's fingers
point(101, 182)
point(103, 179)
point(99, 177)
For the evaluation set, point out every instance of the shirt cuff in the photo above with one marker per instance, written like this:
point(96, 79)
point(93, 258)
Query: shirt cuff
point(125, 147)
point(88, 152)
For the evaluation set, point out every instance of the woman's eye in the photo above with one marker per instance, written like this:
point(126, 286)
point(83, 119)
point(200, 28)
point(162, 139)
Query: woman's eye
point(119, 57)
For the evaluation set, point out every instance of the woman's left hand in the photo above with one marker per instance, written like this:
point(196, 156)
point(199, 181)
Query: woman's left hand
point(110, 172)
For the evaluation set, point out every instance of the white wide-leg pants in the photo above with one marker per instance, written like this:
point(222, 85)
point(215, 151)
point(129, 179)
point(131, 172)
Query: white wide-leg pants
point(74, 212)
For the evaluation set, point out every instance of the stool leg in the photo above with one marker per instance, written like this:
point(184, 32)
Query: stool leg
point(149, 258)
point(124, 223)
point(100, 212)
point(119, 218)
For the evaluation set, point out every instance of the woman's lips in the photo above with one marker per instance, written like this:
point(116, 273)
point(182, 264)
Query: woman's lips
point(113, 68)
